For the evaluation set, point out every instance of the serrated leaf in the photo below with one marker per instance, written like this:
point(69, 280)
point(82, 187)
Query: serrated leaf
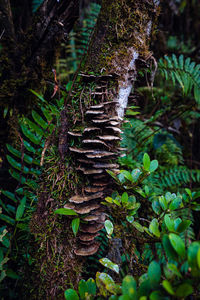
point(109, 264)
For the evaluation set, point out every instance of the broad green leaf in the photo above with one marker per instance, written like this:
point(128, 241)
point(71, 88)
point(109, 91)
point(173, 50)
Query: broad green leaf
point(130, 219)
point(109, 227)
point(154, 272)
point(129, 287)
point(198, 258)
point(183, 226)
point(174, 270)
point(71, 294)
point(126, 174)
point(177, 244)
point(124, 198)
point(75, 225)
point(169, 250)
point(65, 211)
point(168, 287)
point(109, 199)
point(156, 207)
point(154, 227)
point(176, 203)
point(156, 295)
point(169, 222)
point(135, 174)
point(184, 290)
point(153, 165)
point(146, 162)
point(188, 191)
point(192, 254)
point(20, 209)
point(138, 226)
point(91, 285)
point(163, 202)
point(82, 288)
point(106, 284)
point(32, 137)
point(109, 264)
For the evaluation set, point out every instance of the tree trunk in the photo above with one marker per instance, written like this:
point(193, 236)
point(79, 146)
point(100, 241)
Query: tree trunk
point(121, 38)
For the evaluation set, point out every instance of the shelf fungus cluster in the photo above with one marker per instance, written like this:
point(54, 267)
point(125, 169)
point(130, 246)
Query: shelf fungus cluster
point(98, 153)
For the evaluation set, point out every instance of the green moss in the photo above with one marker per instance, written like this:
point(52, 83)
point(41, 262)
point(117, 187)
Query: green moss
point(121, 24)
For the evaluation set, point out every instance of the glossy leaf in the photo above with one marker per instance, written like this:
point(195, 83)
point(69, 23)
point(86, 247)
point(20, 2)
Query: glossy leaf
point(109, 227)
point(177, 244)
point(146, 162)
point(75, 225)
point(154, 272)
point(154, 227)
point(109, 264)
point(168, 287)
point(129, 287)
point(65, 211)
point(71, 294)
point(153, 165)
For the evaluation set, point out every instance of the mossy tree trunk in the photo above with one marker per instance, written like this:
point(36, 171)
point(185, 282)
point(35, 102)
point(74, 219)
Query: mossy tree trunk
point(121, 39)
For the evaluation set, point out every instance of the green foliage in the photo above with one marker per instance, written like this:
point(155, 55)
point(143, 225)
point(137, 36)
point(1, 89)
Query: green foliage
point(163, 277)
point(183, 71)
point(25, 167)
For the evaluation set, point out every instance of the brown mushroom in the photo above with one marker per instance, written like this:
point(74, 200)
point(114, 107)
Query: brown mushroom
point(81, 199)
point(93, 228)
point(109, 137)
point(87, 250)
point(79, 150)
point(88, 129)
point(94, 112)
point(91, 171)
point(89, 189)
point(74, 133)
point(86, 237)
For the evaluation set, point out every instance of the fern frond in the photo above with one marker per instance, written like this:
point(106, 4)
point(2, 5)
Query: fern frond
point(178, 176)
point(183, 71)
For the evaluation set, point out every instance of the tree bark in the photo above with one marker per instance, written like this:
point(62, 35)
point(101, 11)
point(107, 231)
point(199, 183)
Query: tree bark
point(121, 38)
